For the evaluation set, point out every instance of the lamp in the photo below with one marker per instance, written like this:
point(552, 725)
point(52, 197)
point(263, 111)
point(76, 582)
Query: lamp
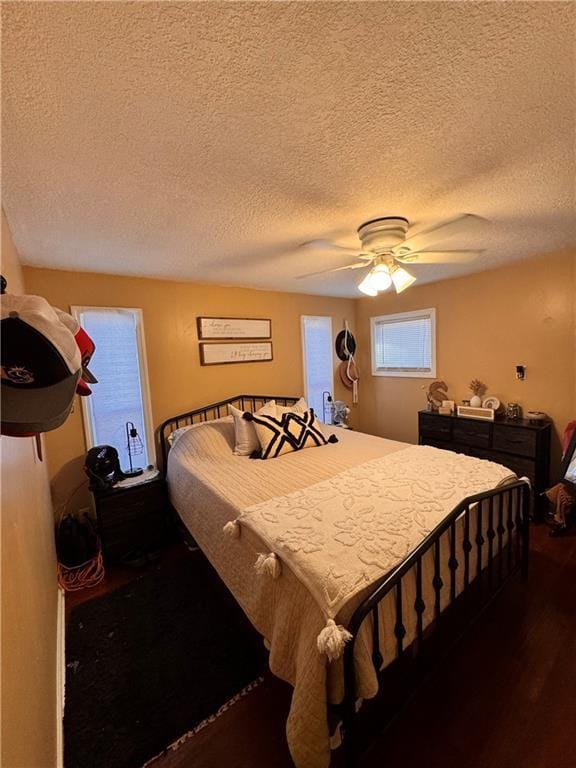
point(401, 278)
point(134, 447)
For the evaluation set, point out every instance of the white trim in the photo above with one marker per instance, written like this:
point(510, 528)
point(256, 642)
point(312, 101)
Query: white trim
point(303, 319)
point(144, 380)
point(60, 676)
point(398, 373)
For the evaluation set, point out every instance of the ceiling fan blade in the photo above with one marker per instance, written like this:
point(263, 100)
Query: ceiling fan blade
point(327, 245)
point(437, 257)
point(467, 224)
point(357, 265)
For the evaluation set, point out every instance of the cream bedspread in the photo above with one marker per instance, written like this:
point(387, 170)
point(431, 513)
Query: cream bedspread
point(210, 486)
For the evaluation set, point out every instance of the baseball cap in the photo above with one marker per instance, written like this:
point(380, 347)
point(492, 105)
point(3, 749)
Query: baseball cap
point(40, 366)
point(86, 347)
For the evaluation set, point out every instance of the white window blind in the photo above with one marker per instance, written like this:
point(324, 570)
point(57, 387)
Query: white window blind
point(121, 394)
point(404, 344)
point(318, 363)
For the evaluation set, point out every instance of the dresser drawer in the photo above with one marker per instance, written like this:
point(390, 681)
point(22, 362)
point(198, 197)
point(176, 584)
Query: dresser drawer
point(522, 467)
point(435, 427)
point(514, 440)
point(445, 446)
point(473, 433)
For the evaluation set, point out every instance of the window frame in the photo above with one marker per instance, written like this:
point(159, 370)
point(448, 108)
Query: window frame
point(89, 442)
point(303, 319)
point(430, 313)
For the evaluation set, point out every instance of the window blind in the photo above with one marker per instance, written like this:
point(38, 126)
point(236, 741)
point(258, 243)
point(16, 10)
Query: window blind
point(318, 365)
point(118, 397)
point(403, 344)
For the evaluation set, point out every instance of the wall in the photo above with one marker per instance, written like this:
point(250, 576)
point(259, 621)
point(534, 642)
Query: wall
point(178, 382)
point(29, 590)
point(486, 324)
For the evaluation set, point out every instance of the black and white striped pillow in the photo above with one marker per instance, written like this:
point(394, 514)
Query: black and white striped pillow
point(287, 432)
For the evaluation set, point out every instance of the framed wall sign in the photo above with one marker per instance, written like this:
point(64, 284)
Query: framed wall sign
point(223, 353)
point(234, 328)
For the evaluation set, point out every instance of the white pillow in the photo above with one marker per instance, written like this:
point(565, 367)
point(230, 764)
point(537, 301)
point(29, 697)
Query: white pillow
point(246, 440)
point(177, 433)
point(300, 406)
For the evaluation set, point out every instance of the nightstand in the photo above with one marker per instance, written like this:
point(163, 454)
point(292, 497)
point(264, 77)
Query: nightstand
point(133, 521)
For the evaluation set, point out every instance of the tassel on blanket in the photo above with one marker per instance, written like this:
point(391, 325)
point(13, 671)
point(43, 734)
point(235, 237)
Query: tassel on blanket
point(232, 529)
point(268, 565)
point(332, 640)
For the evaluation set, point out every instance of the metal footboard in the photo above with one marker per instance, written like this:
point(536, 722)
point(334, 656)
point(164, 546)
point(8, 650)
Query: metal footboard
point(486, 540)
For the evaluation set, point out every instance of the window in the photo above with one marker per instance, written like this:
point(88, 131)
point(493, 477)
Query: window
point(318, 361)
point(404, 344)
point(121, 395)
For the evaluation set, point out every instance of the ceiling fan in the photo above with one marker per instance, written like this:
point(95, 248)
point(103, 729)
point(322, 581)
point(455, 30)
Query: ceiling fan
point(386, 246)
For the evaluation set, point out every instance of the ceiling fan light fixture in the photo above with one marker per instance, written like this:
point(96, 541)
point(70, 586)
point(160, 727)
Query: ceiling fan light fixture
point(401, 278)
point(366, 286)
point(380, 279)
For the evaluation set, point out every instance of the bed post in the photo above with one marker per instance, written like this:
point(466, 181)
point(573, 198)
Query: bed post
point(527, 503)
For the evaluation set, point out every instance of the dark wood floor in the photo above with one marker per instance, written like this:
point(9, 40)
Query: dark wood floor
point(505, 698)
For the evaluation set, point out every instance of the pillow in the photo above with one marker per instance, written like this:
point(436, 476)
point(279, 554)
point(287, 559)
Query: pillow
point(301, 406)
point(287, 432)
point(246, 440)
point(177, 433)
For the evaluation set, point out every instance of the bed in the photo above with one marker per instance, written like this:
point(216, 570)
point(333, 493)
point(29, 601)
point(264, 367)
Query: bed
point(391, 618)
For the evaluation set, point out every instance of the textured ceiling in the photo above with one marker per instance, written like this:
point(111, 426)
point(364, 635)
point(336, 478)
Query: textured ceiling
point(205, 141)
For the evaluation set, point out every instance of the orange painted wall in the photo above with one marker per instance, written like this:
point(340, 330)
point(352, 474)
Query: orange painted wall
point(486, 324)
point(29, 590)
point(178, 382)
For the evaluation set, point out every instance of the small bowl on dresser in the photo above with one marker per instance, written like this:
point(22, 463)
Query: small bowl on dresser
point(535, 417)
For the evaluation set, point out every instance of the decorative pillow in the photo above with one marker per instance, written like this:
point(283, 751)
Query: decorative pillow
point(287, 432)
point(177, 434)
point(246, 440)
point(300, 406)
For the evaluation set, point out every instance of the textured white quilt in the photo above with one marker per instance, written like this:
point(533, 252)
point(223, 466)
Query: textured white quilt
point(342, 534)
point(210, 487)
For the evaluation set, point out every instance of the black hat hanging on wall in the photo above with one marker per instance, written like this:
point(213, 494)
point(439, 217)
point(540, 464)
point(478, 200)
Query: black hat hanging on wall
point(346, 349)
point(345, 344)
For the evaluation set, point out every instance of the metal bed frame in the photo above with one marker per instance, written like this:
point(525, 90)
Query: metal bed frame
point(502, 532)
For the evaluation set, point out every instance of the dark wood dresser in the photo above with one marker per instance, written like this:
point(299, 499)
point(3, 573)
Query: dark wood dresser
point(521, 445)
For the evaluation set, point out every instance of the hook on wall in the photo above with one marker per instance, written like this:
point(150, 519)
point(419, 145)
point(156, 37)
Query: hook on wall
point(3, 284)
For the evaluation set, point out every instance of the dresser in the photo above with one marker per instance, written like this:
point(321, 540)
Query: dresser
point(519, 444)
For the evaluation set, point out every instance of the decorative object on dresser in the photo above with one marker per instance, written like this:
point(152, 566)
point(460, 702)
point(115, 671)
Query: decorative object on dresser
point(522, 446)
point(492, 402)
point(535, 416)
point(234, 328)
point(132, 520)
point(472, 412)
point(478, 389)
point(513, 411)
point(436, 393)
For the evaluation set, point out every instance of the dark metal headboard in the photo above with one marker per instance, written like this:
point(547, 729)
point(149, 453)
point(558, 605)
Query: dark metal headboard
point(209, 413)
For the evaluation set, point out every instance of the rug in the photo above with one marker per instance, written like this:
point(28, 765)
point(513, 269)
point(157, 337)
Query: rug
point(148, 662)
